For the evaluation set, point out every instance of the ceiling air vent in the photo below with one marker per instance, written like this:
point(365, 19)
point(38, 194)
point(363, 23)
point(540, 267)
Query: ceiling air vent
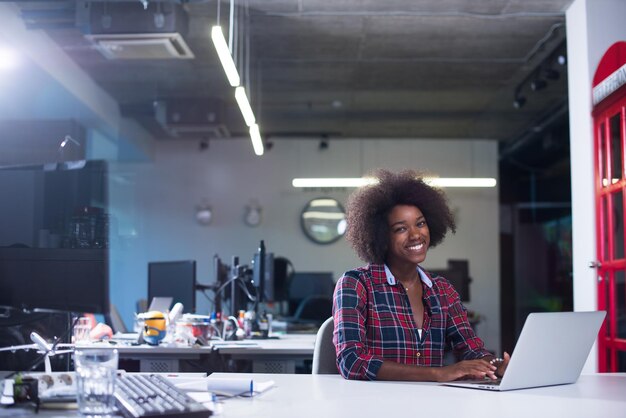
point(142, 46)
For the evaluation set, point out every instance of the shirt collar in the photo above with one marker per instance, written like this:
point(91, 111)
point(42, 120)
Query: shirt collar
point(391, 280)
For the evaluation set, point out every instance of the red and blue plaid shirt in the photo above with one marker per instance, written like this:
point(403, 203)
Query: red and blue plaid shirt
point(374, 322)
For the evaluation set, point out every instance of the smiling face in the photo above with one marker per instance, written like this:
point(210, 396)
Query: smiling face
point(409, 236)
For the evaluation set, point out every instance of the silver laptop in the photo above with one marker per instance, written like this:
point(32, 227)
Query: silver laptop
point(551, 350)
point(161, 303)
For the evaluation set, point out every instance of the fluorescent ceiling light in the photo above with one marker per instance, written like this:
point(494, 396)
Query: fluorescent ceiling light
point(224, 55)
point(244, 106)
point(331, 182)
point(461, 182)
point(257, 142)
point(363, 181)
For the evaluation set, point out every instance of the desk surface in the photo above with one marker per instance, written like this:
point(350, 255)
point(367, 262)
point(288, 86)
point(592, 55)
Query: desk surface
point(288, 344)
point(329, 396)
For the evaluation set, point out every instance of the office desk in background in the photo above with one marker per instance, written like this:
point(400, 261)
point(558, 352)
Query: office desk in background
point(330, 396)
point(267, 356)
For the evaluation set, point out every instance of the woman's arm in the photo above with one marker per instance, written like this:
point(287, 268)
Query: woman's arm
point(466, 369)
point(459, 332)
point(350, 337)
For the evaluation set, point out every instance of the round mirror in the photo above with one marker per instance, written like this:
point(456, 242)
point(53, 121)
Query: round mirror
point(323, 220)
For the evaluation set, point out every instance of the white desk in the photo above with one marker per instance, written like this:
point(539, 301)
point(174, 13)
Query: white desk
point(269, 356)
point(330, 396)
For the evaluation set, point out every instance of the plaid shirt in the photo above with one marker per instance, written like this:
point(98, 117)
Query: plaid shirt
point(374, 322)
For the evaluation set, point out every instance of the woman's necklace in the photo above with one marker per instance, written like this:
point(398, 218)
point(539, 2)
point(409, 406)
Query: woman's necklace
point(406, 288)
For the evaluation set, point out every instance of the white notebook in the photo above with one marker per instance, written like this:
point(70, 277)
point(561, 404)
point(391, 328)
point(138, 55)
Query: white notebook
point(227, 386)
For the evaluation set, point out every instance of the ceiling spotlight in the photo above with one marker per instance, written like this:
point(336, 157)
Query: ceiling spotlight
point(561, 59)
point(538, 84)
point(519, 102)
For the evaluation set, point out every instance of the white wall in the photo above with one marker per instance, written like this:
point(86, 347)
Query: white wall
point(592, 27)
point(154, 205)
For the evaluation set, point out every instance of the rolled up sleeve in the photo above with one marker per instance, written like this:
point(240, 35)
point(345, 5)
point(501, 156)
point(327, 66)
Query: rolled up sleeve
point(354, 360)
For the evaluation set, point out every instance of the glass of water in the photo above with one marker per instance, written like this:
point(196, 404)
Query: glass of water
point(80, 333)
point(95, 381)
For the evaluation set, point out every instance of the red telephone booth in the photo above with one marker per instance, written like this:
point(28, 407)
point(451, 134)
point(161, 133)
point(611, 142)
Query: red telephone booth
point(609, 115)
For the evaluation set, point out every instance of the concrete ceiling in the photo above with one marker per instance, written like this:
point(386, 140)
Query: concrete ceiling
point(343, 68)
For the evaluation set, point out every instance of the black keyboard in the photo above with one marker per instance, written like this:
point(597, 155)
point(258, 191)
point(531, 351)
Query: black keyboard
point(142, 395)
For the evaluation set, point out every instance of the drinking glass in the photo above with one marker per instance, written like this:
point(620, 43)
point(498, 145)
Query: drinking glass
point(80, 333)
point(95, 381)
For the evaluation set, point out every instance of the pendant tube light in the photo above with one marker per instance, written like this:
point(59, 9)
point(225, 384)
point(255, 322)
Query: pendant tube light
point(461, 182)
point(224, 55)
point(332, 182)
point(244, 106)
point(363, 181)
point(257, 142)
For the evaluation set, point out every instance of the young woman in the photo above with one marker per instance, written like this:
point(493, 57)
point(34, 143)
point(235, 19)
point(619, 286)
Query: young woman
point(393, 320)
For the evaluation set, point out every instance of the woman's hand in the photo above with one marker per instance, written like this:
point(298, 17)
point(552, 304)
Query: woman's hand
point(100, 331)
point(467, 369)
point(502, 365)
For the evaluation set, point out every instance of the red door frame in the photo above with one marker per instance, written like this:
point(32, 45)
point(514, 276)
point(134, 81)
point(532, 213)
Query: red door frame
point(607, 108)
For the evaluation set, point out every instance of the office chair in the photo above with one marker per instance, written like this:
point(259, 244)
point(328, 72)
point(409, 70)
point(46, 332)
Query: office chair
point(324, 355)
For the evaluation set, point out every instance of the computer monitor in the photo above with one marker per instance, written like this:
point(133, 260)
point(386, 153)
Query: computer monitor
point(263, 274)
point(53, 245)
point(176, 279)
point(309, 283)
point(47, 279)
point(283, 269)
point(220, 273)
point(458, 275)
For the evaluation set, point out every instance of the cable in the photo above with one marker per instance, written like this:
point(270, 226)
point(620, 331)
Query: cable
point(244, 286)
point(206, 295)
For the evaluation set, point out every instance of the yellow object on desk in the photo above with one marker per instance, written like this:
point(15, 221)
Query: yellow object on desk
point(155, 327)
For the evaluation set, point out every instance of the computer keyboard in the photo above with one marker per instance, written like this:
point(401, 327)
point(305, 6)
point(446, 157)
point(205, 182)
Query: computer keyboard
point(142, 395)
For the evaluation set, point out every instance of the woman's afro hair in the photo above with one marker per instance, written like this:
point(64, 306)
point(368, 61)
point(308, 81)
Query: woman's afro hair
point(369, 206)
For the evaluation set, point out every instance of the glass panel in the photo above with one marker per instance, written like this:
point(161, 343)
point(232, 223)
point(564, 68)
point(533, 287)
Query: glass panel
point(607, 300)
point(602, 156)
point(620, 303)
point(618, 225)
point(616, 149)
point(605, 229)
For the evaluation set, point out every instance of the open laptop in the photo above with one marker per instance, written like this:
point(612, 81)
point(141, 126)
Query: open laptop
point(551, 350)
point(160, 303)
